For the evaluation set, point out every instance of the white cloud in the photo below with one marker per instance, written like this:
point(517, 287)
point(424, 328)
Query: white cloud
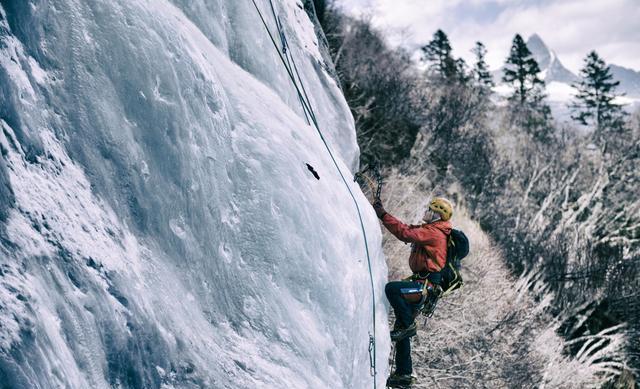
point(570, 27)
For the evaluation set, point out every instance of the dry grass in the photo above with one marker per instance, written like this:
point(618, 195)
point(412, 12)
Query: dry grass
point(495, 332)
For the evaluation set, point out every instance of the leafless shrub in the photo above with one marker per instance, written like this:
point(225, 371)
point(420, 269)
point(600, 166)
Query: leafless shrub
point(552, 200)
point(380, 84)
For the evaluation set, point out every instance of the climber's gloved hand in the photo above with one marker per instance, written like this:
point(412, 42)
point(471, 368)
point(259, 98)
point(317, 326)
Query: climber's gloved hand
point(377, 206)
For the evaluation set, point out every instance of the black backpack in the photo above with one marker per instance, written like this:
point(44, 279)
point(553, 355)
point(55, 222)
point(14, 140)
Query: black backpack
point(457, 249)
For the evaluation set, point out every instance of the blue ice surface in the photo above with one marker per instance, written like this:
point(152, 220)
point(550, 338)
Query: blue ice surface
point(158, 224)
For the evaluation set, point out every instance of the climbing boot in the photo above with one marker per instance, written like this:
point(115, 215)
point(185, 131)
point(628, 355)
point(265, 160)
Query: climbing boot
point(402, 333)
point(400, 380)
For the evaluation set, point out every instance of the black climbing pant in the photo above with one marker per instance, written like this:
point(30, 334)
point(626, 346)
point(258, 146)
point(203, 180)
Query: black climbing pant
point(403, 357)
point(405, 312)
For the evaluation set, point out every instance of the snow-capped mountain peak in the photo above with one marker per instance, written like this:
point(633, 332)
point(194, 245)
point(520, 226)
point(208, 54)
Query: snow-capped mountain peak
point(551, 69)
point(550, 65)
point(540, 51)
point(559, 80)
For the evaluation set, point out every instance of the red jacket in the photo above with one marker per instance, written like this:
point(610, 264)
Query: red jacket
point(429, 242)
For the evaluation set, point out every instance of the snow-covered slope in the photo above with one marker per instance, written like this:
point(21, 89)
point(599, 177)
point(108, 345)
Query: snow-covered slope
point(629, 80)
point(158, 224)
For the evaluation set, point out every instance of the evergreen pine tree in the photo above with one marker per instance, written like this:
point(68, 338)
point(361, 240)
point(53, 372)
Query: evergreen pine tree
point(536, 117)
point(528, 107)
point(521, 71)
point(482, 77)
point(596, 92)
point(462, 71)
point(438, 52)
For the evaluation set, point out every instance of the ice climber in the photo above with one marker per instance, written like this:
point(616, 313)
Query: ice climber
point(428, 256)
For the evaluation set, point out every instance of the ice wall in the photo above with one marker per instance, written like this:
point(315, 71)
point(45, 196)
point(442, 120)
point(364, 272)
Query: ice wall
point(158, 224)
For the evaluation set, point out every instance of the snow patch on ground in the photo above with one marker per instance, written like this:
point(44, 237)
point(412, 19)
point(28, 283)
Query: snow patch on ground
point(559, 91)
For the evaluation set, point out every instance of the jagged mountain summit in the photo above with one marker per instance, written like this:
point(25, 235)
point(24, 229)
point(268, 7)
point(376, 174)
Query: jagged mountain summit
point(550, 65)
point(557, 77)
point(559, 80)
point(554, 71)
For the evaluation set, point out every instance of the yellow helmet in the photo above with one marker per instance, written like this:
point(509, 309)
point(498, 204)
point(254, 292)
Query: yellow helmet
point(442, 207)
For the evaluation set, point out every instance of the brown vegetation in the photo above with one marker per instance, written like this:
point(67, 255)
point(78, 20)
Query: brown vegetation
point(562, 208)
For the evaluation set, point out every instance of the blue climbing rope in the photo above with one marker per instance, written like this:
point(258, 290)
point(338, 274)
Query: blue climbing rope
point(306, 106)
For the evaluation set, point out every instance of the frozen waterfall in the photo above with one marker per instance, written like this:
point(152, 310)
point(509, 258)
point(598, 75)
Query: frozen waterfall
point(158, 224)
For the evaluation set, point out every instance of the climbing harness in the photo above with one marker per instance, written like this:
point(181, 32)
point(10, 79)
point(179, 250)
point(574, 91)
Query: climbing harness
point(429, 294)
point(429, 301)
point(310, 114)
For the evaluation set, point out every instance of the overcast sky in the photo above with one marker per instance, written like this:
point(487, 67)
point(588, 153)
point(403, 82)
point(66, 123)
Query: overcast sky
point(569, 27)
